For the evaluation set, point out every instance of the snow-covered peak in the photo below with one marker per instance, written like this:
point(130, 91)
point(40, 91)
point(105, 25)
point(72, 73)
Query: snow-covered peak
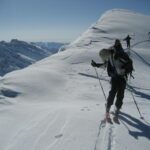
point(129, 21)
point(120, 11)
point(117, 23)
point(16, 41)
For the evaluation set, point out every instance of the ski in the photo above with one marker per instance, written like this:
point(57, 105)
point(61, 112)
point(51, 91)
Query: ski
point(115, 117)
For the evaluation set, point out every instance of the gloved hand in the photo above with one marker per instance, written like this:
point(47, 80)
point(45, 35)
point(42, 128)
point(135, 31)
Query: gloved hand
point(112, 50)
point(93, 63)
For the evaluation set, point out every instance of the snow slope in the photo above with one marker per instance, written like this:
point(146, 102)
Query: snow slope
point(57, 103)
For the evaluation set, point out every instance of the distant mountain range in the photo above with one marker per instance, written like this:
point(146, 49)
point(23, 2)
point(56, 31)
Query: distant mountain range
point(52, 47)
point(17, 54)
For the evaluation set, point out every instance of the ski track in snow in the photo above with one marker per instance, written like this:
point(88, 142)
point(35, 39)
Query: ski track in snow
point(142, 59)
point(40, 127)
point(106, 139)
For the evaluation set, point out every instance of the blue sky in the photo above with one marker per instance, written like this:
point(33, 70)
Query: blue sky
point(56, 20)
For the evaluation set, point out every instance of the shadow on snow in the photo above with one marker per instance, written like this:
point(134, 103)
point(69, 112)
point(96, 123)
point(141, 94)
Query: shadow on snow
point(141, 129)
point(138, 93)
point(129, 87)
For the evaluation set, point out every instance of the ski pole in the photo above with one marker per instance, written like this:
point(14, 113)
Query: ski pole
point(136, 105)
point(101, 83)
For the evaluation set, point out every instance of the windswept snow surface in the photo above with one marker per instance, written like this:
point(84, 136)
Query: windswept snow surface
point(57, 103)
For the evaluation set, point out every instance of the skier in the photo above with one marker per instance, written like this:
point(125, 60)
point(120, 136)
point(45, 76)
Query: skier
point(119, 65)
point(127, 39)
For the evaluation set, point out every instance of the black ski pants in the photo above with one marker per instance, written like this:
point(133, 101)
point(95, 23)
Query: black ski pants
point(128, 44)
point(118, 85)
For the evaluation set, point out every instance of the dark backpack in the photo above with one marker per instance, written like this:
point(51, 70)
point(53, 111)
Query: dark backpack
point(128, 64)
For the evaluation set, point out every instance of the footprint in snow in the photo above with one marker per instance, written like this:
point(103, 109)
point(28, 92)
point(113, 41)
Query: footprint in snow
point(85, 109)
point(58, 136)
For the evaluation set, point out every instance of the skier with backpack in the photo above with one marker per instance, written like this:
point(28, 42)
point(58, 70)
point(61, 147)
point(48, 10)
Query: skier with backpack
point(127, 39)
point(119, 66)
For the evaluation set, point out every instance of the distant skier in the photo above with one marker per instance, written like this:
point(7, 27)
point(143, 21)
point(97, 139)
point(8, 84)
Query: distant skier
point(127, 39)
point(119, 65)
